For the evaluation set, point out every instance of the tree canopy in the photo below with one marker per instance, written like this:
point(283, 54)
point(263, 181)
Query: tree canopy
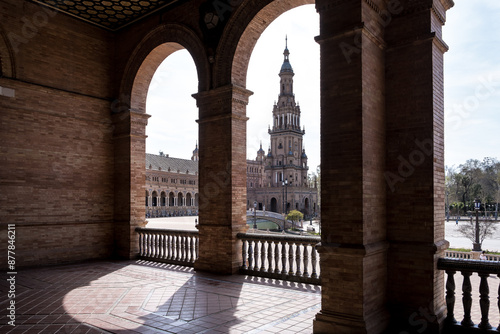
point(473, 180)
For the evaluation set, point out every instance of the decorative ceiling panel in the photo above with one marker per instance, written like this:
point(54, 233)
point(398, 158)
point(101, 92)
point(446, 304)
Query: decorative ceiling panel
point(111, 14)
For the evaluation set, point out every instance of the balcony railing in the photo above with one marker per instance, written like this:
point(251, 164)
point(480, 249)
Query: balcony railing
point(467, 267)
point(169, 246)
point(280, 256)
point(470, 255)
point(285, 257)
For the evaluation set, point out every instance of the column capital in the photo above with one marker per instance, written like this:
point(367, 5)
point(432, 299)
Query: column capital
point(223, 95)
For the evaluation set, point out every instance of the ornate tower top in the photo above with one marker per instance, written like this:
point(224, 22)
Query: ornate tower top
point(286, 67)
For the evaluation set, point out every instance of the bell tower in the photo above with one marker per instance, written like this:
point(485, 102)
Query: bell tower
point(286, 159)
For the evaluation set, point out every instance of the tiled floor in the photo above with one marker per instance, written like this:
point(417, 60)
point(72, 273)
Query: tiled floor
point(143, 297)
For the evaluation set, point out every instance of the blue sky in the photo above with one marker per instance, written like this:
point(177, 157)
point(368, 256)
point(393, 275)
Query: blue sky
point(472, 86)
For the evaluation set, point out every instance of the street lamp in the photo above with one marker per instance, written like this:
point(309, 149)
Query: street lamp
point(254, 215)
point(285, 195)
point(476, 245)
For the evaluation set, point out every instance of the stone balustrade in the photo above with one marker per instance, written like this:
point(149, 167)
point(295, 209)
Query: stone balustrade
point(467, 267)
point(169, 246)
point(470, 255)
point(280, 256)
point(290, 258)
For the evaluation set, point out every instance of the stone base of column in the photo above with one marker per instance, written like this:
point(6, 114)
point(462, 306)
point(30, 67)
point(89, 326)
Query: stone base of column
point(219, 249)
point(344, 323)
point(126, 240)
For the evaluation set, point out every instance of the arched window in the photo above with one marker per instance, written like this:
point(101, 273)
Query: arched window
point(163, 201)
point(155, 198)
point(188, 199)
point(180, 198)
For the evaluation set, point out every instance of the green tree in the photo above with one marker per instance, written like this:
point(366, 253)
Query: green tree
point(474, 180)
point(295, 216)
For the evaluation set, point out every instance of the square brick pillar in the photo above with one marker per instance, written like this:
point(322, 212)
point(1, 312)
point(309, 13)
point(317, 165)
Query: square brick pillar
point(353, 248)
point(129, 138)
point(415, 165)
point(222, 178)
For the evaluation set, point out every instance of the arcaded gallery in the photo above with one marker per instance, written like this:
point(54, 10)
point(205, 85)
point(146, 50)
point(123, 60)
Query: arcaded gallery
point(74, 76)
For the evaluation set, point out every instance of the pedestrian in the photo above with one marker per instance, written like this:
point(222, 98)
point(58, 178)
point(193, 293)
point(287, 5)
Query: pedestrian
point(457, 221)
point(483, 256)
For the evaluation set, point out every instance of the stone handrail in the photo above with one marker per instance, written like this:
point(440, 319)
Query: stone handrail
point(261, 213)
point(169, 246)
point(290, 258)
point(470, 255)
point(467, 267)
point(458, 255)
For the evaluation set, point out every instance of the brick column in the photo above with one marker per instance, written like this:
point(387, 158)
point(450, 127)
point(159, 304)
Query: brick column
point(353, 247)
point(129, 168)
point(415, 164)
point(222, 177)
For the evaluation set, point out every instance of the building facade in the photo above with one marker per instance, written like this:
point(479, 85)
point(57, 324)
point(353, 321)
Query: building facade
point(278, 181)
point(171, 185)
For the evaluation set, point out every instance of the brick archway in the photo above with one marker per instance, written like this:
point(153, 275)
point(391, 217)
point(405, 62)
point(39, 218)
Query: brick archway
point(155, 47)
point(130, 120)
point(242, 33)
point(7, 63)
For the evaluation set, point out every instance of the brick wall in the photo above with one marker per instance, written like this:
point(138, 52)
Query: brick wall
point(55, 137)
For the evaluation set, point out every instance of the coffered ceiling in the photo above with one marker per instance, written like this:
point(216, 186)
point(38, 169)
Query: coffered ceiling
point(111, 14)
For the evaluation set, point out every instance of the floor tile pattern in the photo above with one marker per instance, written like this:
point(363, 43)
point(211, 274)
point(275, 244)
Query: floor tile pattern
point(144, 297)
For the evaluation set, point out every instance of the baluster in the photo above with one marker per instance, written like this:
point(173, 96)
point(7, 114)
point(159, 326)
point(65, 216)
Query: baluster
point(160, 246)
point(276, 257)
point(197, 246)
point(148, 242)
point(450, 297)
point(256, 255)
point(306, 260)
point(164, 246)
point(183, 247)
point(484, 301)
point(172, 247)
point(177, 247)
point(314, 253)
point(141, 246)
point(191, 249)
point(298, 273)
point(467, 299)
point(263, 249)
point(167, 246)
point(244, 254)
point(498, 327)
point(283, 257)
point(290, 259)
point(159, 250)
point(270, 257)
point(250, 254)
point(153, 245)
